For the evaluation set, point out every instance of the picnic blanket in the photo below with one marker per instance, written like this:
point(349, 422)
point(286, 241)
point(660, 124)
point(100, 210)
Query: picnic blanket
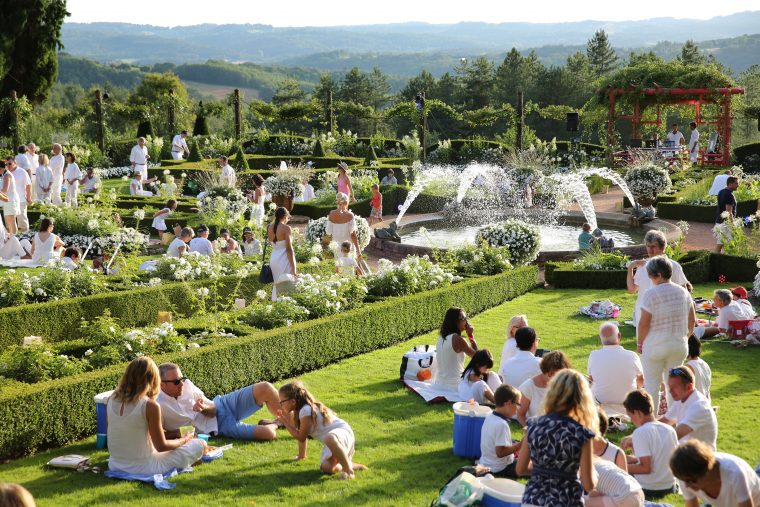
point(601, 310)
point(19, 263)
point(161, 481)
point(432, 393)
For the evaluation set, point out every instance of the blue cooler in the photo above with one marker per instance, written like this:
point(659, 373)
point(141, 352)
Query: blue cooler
point(100, 413)
point(468, 421)
point(501, 492)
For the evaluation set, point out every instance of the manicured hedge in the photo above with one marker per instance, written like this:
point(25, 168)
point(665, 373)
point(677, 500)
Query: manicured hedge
point(54, 413)
point(699, 266)
point(59, 320)
point(705, 214)
point(735, 269)
point(393, 195)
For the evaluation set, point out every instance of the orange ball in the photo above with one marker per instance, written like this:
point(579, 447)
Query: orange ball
point(424, 374)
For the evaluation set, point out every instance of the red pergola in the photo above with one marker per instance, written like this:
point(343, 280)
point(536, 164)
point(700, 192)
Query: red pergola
point(691, 96)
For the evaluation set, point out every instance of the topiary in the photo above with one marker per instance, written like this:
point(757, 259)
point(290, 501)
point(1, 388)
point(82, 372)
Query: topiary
point(238, 161)
point(319, 151)
point(200, 128)
point(195, 153)
point(371, 155)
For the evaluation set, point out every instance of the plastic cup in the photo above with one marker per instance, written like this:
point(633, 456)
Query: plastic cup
point(203, 436)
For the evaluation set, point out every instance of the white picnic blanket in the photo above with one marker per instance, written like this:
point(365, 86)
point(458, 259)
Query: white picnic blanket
point(19, 263)
point(432, 393)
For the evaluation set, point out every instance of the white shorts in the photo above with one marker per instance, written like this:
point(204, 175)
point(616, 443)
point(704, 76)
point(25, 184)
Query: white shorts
point(345, 436)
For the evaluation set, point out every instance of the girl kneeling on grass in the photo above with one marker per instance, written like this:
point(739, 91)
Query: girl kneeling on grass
point(304, 416)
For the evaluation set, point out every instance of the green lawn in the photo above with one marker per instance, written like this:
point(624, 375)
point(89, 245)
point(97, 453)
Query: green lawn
point(406, 443)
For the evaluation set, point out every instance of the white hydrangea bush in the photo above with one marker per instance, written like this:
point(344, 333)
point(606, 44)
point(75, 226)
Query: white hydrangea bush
point(522, 239)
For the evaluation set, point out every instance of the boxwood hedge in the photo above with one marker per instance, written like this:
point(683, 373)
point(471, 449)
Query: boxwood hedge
point(705, 214)
point(54, 413)
point(699, 266)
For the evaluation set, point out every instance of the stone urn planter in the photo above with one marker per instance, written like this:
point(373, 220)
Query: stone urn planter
point(286, 201)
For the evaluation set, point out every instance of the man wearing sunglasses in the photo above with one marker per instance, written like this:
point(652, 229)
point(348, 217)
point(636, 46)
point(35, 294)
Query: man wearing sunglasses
point(183, 404)
point(690, 413)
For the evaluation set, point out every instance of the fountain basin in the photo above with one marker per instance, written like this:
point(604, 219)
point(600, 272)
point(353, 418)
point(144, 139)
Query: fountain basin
point(615, 222)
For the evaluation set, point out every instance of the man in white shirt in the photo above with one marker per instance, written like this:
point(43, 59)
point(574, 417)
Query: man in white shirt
point(139, 158)
point(57, 162)
point(179, 145)
point(639, 282)
point(200, 243)
point(24, 190)
point(613, 371)
point(739, 294)
point(693, 143)
point(652, 443)
point(183, 404)
point(91, 181)
point(718, 479)
point(719, 183)
point(675, 137)
point(227, 177)
point(728, 310)
point(22, 160)
point(524, 364)
point(690, 414)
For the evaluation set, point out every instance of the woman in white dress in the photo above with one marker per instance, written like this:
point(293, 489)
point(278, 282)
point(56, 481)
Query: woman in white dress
point(135, 434)
point(44, 181)
point(46, 246)
point(341, 225)
point(283, 259)
point(257, 211)
point(451, 349)
point(534, 389)
point(71, 178)
point(10, 198)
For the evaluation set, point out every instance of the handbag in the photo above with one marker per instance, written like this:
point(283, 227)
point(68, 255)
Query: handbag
point(265, 275)
point(420, 357)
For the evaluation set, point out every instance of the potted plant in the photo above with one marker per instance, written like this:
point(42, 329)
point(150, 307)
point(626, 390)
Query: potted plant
point(646, 181)
point(284, 186)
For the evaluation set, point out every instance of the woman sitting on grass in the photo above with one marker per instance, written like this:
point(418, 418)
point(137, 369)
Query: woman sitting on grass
point(136, 438)
point(534, 389)
point(304, 417)
point(451, 349)
point(559, 444)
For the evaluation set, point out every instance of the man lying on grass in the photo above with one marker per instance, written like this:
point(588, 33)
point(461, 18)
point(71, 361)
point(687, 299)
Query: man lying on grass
point(183, 404)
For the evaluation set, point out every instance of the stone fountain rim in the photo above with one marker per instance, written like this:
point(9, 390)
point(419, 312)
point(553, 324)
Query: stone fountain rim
point(381, 246)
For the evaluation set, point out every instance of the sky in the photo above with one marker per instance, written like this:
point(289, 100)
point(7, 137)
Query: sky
point(359, 12)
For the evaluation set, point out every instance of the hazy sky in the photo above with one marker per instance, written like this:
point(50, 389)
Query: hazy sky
point(359, 12)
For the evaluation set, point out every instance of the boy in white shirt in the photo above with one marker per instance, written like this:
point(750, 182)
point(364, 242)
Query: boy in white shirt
point(652, 443)
point(716, 478)
point(497, 452)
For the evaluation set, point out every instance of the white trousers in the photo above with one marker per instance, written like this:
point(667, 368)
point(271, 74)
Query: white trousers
point(177, 155)
point(657, 358)
point(72, 193)
point(55, 190)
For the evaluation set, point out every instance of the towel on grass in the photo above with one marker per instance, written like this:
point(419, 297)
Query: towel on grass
point(161, 481)
point(432, 393)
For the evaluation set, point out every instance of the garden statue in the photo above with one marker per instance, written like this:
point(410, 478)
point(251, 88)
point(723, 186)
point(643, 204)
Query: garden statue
point(388, 233)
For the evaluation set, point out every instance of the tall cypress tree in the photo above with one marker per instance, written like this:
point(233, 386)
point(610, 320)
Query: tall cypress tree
point(600, 54)
point(29, 44)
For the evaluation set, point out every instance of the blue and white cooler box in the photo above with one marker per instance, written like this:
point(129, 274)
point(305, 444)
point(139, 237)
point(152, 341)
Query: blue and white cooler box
point(468, 421)
point(498, 492)
point(101, 401)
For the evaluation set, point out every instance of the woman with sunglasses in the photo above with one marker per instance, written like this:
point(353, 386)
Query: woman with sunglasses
point(714, 478)
point(451, 349)
point(136, 438)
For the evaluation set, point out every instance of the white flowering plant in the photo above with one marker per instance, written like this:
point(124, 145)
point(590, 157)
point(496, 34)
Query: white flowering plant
point(37, 363)
point(194, 266)
point(285, 183)
point(269, 315)
point(51, 283)
point(522, 239)
point(647, 180)
point(739, 236)
point(596, 260)
point(223, 204)
point(414, 274)
point(328, 295)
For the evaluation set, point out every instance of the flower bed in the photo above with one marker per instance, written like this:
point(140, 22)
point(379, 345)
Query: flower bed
point(522, 239)
point(56, 412)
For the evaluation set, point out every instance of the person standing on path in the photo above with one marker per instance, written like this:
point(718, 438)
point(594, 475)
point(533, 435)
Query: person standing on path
point(693, 143)
point(57, 163)
point(726, 211)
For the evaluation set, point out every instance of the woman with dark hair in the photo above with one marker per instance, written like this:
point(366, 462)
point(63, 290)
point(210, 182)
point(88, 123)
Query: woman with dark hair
point(344, 182)
point(46, 246)
point(451, 349)
point(478, 381)
point(257, 198)
point(283, 260)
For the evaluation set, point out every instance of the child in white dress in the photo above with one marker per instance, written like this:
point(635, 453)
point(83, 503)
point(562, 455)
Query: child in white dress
point(478, 382)
point(303, 416)
point(346, 265)
point(159, 217)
